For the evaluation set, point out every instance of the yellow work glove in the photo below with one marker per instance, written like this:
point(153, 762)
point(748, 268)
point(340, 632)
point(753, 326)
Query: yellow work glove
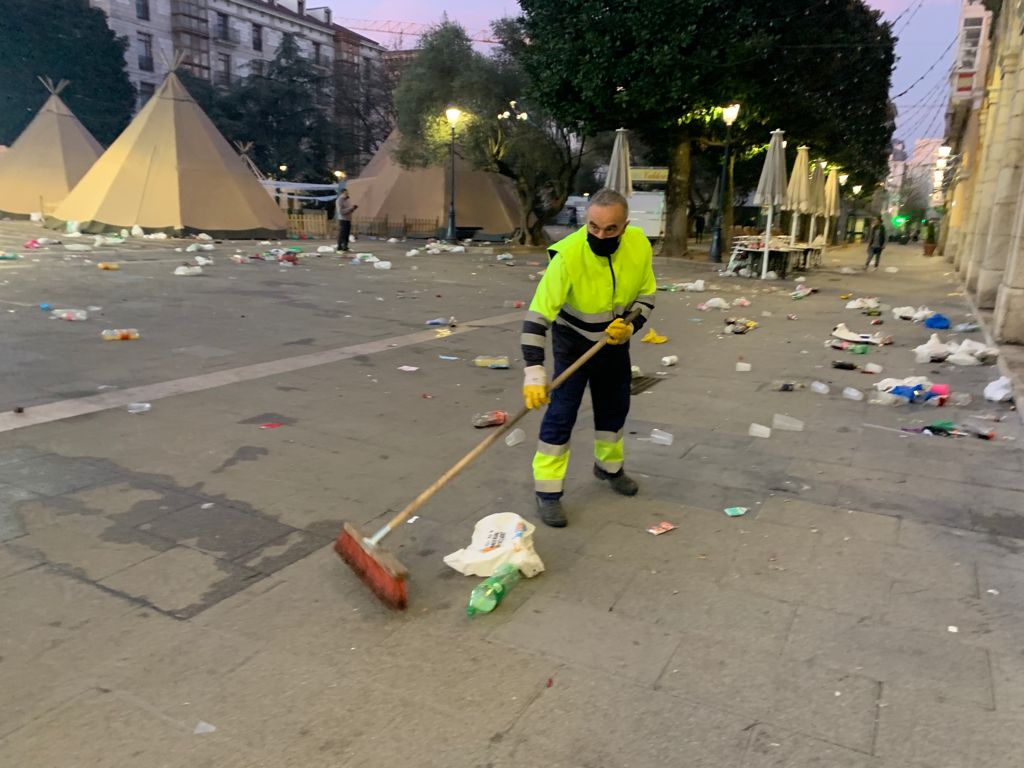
point(618, 331)
point(535, 386)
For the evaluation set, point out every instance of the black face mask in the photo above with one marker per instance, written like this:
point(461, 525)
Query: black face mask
point(603, 247)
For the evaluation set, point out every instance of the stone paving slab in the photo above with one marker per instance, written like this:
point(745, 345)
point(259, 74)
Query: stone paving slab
point(774, 747)
point(833, 525)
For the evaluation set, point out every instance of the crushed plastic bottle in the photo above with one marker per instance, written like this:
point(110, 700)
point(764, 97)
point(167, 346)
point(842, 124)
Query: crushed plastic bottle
point(660, 437)
point(490, 361)
point(820, 387)
point(382, 265)
point(490, 419)
point(851, 393)
point(139, 407)
point(71, 315)
point(488, 595)
point(120, 334)
point(669, 360)
point(787, 423)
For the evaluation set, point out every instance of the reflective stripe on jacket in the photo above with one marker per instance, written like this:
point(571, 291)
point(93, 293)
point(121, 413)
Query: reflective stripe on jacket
point(582, 292)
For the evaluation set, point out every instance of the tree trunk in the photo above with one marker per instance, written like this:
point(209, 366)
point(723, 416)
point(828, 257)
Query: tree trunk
point(677, 199)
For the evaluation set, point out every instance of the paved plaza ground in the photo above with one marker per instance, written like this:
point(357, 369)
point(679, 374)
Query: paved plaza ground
point(169, 595)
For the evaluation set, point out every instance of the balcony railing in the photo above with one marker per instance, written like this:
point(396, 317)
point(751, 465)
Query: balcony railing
point(145, 63)
point(226, 35)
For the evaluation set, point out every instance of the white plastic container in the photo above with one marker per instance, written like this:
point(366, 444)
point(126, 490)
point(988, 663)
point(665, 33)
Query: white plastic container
point(515, 437)
point(820, 387)
point(660, 437)
point(742, 367)
point(759, 430)
point(853, 394)
point(382, 265)
point(669, 360)
point(787, 423)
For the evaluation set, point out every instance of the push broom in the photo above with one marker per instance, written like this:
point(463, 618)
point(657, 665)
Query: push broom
point(379, 569)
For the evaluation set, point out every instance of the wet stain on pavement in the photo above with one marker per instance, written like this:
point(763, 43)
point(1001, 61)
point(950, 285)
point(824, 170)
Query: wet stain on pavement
point(245, 453)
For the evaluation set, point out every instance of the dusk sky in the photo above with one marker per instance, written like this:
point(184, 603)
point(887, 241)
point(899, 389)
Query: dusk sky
point(926, 28)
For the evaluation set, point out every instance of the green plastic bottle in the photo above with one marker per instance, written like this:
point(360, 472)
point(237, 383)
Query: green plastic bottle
point(487, 595)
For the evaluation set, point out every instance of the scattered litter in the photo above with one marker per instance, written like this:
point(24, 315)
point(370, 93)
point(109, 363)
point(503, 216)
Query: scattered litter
point(953, 628)
point(759, 430)
point(207, 505)
point(845, 334)
point(271, 425)
point(892, 270)
point(239, 258)
point(382, 265)
point(408, 368)
point(188, 270)
point(868, 302)
point(847, 271)
point(739, 325)
point(108, 266)
point(519, 304)
point(635, 371)
point(502, 256)
point(326, 249)
point(663, 527)
point(652, 337)
point(203, 727)
point(669, 360)
point(203, 261)
point(937, 321)
point(426, 396)
point(803, 290)
point(119, 334)
point(660, 437)
point(966, 328)
point(9, 256)
point(71, 315)
point(871, 368)
point(501, 538)
point(820, 387)
point(393, 240)
point(742, 367)
point(736, 511)
point(696, 286)
point(152, 235)
point(787, 423)
point(365, 258)
point(449, 357)
point(992, 591)
point(792, 317)
point(772, 275)
point(139, 407)
point(485, 361)
point(765, 313)
point(77, 247)
point(203, 236)
point(786, 386)
point(490, 419)
point(714, 303)
point(413, 252)
point(515, 437)
point(999, 391)
point(800, 279)
point(741, 302)
point(850, 393)
point(412, 519)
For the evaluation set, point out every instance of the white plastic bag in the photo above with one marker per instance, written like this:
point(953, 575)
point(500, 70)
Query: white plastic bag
point(999, 391)
point(503, 537)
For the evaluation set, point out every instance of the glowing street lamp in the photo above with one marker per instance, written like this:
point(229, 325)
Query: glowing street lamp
point(453, 114)
point(729, 115)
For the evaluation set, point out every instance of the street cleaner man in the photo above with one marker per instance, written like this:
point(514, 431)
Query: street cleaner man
point(592, 281)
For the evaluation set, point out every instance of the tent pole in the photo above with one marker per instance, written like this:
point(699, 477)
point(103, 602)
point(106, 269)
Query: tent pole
point(767, 243)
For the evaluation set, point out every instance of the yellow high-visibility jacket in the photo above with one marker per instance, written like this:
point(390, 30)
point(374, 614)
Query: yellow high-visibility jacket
point(581, 292)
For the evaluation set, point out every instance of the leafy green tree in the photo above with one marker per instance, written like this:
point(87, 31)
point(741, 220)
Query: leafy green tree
point(820, 70)
point(62, 39)
point(501, 130)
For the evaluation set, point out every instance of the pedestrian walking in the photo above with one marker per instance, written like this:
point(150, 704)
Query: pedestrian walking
point(876, 243)
point(343, 208)
point(698, 224)
point(594, 277)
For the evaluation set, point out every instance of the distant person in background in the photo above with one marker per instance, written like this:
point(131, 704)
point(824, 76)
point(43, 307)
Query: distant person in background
point(876, 243)
point(698, 224)
point(343, 209)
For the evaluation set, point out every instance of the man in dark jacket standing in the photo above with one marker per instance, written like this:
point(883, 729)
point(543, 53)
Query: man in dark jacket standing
point(344, 208)
point(876, 243)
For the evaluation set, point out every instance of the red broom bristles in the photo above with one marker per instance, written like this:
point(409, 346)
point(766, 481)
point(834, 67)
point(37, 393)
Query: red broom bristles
point(378, 569)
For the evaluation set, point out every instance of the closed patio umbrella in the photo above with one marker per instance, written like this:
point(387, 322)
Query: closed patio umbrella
point(798, 194)
point(817, 198)
point(771, 189)
point(619, 177)
point(831, 200)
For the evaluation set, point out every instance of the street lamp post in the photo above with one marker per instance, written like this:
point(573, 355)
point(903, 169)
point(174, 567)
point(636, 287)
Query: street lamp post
point(729, 115)
point(453, 114)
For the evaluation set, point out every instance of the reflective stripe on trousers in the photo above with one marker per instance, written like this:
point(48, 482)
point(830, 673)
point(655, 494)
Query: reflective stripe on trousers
point(608, 375)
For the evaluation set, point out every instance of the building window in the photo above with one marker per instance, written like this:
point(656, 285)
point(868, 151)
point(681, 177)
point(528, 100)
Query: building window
point(222, 28)
point(146, 90)
point(257, 37)
point(145, 41)
point(256, 67)
point(316, 53)
point(142, 9)
point(223, 74)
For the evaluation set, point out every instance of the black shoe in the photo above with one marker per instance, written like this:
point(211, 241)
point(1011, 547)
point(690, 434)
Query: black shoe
point(621, 483)
point(551, 512)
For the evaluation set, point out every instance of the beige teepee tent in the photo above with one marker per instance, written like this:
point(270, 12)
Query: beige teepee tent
point(47, 159)
point(482, 200)
point(172, 171)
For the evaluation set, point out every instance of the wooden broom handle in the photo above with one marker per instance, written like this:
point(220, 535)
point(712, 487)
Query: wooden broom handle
point(487, 442)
